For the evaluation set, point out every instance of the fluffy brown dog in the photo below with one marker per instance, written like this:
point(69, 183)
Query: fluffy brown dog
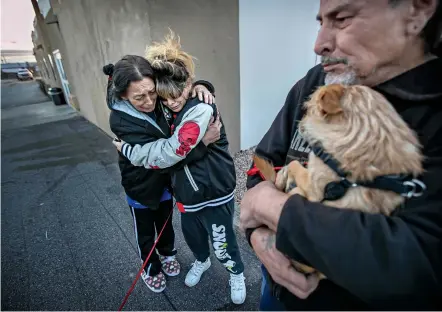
point(366, 139)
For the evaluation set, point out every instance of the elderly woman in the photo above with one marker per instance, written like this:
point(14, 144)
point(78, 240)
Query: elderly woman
point(135, 118)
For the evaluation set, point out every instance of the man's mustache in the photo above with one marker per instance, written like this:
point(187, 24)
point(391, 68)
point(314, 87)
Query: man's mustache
point(328, 60)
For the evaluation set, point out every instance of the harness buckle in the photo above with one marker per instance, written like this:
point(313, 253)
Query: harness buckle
point(417, 188)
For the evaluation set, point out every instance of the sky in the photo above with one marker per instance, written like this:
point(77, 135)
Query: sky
point(17, 17)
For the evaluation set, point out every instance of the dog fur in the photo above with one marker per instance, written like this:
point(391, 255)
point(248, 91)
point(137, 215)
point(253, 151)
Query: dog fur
point(365, 134)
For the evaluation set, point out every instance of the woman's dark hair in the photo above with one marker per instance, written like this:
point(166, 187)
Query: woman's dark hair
point(130, 68)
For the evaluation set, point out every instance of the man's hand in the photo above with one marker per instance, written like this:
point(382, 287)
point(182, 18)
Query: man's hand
point(118, 143)
point(213, 132)
point(279, 266)
point(262, 205)
point(203, 94)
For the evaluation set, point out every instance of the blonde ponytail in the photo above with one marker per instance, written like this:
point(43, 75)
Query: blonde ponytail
point(174, 68)
point(169, 51)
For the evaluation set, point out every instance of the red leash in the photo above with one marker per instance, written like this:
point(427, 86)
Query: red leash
point(144, 265)
point(254, 170)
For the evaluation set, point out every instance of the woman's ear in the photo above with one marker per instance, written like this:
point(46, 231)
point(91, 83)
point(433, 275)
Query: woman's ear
point(189, 90)
point(189, 83)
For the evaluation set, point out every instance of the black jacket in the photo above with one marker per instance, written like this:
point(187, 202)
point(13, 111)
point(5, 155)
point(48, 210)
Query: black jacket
point(210, 181)
point(371, 261)
point(144, 185)
point(207, 182)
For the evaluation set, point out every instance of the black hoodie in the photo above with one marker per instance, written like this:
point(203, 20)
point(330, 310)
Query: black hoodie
point(371, 261)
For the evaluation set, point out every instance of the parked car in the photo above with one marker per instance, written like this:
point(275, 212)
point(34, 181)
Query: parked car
point(24, 74)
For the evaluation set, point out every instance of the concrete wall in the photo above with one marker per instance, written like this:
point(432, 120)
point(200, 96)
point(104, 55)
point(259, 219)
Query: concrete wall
point(58, 43)
point(96, 33)
point(43, 55)
point(276, 50)
point(208, 31)
point(102, 31)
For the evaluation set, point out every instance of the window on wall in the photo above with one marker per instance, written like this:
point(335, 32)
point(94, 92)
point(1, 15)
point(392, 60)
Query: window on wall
point(59, 62)
point(45, 69)
point(52, 67)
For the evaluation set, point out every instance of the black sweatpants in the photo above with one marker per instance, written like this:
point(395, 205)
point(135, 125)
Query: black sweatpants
point(216, 223)
point(146, 221)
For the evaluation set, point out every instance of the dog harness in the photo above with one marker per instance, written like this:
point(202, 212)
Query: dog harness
point(404, 185)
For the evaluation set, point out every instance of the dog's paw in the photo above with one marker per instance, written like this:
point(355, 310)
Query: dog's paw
point(285, 179)
point(281, 179)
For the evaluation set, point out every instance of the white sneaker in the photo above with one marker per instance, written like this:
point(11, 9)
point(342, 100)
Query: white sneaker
point(237, 288)
point(196, 271)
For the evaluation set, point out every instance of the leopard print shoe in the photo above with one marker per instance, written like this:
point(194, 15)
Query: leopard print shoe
point(170, 265)
point(155, 283)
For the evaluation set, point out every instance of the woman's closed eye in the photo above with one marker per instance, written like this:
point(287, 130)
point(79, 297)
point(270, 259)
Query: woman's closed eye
point(139, 97)
point(171, 99)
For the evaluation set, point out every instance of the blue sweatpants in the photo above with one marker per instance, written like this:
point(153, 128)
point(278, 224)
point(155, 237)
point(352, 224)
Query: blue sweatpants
point(268, 302)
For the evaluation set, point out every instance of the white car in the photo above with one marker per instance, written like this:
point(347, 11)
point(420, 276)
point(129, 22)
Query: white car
point(24, 74)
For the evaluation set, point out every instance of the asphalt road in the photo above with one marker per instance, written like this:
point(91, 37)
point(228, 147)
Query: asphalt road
point(66, 231)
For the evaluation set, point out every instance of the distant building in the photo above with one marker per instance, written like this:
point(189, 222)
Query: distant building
point(17, 56)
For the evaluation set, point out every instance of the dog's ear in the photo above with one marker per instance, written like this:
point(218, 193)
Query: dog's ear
point(265, 167)
point(329, 99)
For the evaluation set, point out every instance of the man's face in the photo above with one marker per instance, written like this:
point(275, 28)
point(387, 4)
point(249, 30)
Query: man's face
point(362, 41)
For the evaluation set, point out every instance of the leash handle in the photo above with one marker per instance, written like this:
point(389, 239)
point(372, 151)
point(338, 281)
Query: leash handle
point(144, 265)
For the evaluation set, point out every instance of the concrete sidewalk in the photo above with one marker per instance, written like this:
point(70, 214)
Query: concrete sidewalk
point(67, 234)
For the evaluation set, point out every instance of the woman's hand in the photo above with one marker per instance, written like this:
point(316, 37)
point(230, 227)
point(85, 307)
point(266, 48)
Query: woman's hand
point(203, 94)
point(118, 143)
point(213, 132)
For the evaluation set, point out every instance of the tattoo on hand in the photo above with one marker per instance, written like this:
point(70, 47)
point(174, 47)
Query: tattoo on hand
point(270, 241)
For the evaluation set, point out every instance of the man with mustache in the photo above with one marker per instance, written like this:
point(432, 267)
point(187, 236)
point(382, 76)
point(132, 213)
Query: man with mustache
point(371, 261)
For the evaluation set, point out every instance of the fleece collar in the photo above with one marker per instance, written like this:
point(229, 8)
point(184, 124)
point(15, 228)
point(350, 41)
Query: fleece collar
point(421, 83)
point(125, 107)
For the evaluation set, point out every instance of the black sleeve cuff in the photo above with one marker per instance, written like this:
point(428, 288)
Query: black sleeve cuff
point(249, 236)
point(207, 84)
point(249, 233)
point(198, 152)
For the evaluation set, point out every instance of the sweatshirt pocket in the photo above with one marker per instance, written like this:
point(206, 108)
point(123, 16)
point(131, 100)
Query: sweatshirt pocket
point(191, 179)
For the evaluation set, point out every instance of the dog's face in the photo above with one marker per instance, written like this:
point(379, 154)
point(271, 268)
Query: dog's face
point(325, 104)
point(358, 124)
point(347, 106)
